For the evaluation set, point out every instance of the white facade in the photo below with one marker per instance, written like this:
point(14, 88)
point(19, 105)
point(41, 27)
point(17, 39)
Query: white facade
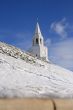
point(38, 48)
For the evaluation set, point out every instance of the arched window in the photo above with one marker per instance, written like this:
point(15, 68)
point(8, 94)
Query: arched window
point(37, 41)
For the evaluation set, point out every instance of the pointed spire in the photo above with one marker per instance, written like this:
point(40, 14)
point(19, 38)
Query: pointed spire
point(38, 31)
point(38, 36)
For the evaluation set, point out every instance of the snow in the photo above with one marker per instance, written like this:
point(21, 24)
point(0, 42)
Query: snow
point(31, 77)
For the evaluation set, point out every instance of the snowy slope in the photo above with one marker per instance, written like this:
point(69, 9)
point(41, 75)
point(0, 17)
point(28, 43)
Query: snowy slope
point(22, 75)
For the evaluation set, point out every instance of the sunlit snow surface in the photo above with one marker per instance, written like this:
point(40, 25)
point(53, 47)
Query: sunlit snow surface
point(19, 78)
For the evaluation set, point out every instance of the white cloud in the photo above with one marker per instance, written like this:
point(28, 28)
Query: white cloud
point(60, 28)
point(62, 53)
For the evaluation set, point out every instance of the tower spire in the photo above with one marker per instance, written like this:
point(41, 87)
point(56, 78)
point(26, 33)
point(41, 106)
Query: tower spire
point(38, 31)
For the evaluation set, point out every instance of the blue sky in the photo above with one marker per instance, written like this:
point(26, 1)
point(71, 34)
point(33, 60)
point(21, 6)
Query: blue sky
point(17, 24)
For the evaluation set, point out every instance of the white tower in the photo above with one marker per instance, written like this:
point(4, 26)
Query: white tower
point(38, 49)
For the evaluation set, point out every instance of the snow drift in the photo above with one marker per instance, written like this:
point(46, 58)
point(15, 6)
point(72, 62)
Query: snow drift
point(22, 75)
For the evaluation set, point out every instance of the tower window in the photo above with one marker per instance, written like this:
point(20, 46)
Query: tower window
point(37, 41)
